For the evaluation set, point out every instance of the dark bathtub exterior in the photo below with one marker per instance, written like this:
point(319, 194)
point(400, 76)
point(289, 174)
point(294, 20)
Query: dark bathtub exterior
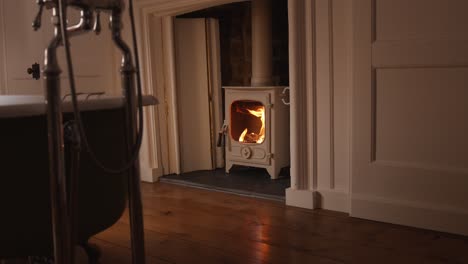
point(25, 217)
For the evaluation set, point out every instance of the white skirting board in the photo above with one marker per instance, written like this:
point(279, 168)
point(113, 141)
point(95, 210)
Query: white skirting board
point(334, 200)
point(149, 175)
point(300, 198)
point(421, 215)
point(323, 199)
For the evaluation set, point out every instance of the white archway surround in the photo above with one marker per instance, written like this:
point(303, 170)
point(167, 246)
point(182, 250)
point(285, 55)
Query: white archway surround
point(320, 81)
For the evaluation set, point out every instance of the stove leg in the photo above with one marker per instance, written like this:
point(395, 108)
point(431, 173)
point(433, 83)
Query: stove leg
point(228, 166)
point(274, 172)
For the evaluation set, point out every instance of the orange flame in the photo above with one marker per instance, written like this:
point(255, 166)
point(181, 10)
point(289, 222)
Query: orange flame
point(255, 137)
point(242, 136)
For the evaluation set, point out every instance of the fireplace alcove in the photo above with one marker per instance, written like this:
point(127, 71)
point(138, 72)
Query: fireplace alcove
point(157, 30)
point(230, 76)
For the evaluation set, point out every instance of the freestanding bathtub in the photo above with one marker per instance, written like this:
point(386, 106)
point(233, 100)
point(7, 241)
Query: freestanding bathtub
point(25, 219)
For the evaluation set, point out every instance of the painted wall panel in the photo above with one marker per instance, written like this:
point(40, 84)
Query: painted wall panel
point(420, 116)
point(409, 135)
point(420, 19)
point(93, 56)
point(325, 89)
point(23, 46)
point(342, 67)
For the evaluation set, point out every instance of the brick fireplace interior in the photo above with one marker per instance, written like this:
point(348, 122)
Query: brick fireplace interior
point(235, 38)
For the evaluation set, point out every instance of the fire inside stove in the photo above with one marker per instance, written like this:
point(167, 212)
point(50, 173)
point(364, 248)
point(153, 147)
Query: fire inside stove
point(248, 121)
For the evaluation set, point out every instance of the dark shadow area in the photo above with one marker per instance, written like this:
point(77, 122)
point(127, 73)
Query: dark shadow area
point(235, 31)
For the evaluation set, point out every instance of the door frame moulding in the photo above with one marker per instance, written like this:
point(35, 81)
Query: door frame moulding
point(311, 27)
point(303, 118)
point(159, 12)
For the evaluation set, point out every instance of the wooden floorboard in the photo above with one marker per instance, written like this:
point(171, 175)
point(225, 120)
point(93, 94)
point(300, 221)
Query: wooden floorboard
point(189, 225)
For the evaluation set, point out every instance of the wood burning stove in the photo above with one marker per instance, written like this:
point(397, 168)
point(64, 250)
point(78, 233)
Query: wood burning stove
point(258, 128)
point(257, 116)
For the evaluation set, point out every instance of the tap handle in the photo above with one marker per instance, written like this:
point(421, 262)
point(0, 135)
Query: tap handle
point(37, 21)
point(35, 71)
point(97, 23)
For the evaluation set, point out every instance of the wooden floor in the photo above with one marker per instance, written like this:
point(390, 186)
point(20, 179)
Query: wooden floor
point(187, 225)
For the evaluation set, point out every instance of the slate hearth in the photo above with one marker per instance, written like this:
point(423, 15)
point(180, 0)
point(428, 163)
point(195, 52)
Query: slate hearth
point(241, 180)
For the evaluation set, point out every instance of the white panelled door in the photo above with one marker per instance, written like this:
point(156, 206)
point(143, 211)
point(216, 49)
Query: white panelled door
point(195, 92)
point(410, 128)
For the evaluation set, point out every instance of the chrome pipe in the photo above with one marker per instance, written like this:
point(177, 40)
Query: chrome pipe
point(85, 24)
point(61, 229)
point(62, 222)
point(134, 191)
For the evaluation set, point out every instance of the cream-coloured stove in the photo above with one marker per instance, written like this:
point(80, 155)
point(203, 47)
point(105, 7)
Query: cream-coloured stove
point(258, 128)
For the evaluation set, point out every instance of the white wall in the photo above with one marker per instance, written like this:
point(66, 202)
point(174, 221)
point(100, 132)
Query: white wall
point(20, 46)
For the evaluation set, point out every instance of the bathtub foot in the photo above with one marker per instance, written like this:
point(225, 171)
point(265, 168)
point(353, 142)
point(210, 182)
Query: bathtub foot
point(92, 251)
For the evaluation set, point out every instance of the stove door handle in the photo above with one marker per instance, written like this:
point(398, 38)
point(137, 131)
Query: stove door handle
point(285, 94)
point(221, 142)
